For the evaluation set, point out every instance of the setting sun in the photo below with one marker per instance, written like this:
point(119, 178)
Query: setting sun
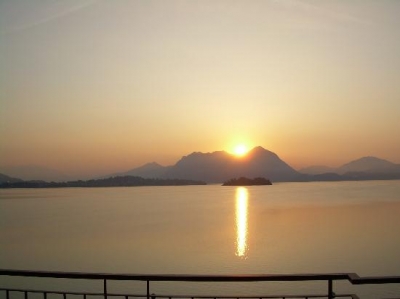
point(240, 150)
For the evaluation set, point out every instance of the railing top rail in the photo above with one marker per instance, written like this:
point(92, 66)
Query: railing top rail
point(352, 277)
point(177, 277)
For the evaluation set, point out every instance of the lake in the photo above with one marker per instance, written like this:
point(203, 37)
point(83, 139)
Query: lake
point(316, 227)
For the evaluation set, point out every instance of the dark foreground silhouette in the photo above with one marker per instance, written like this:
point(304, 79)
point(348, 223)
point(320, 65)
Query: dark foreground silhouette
point(247, 182)
point(327, 278)
point(118, 181)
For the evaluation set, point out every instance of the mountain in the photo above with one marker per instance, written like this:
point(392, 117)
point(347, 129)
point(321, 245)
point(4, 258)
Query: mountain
point(366, 168)
point(369, 165)
point(219, 166)
point(208, 167)
point(31, 172)
point(149, 170)
point(365, 165)
point(7, 179)
point(260, 162)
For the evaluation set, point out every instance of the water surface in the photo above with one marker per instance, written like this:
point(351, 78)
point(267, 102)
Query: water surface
point(283, 228)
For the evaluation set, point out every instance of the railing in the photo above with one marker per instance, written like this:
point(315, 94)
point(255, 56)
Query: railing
point(104, 277)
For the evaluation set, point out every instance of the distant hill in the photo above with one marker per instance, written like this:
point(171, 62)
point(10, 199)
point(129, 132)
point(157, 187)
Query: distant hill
point(32, 172)
point(366, 168)
point(219, 166)
point(149, 170)
point(363, 165)
point(7, 179)
point(369, 165)
point(119, 181)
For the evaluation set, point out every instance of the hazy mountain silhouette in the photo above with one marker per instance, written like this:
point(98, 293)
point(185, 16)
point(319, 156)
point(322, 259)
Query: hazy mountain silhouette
point(7, 179)
point(369, 165)
point(260, 162)
point(365, 165)
point(148, 170)
point(32, 172)
point(219, 166)
point(208, 167)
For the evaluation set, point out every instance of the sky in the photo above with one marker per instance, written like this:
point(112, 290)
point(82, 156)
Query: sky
point(94, 86)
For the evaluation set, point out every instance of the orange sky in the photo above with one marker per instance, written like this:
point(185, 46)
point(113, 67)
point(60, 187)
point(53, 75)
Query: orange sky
point(93, 87)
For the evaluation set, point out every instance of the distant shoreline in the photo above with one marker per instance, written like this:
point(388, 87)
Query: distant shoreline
point(118, 181)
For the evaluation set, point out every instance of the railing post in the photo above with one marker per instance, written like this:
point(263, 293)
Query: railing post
point(7, 294)
point(148, 288)
point(105, 288)
point(330, 289)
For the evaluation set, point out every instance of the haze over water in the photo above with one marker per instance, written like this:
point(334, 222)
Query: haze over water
point(284, 228)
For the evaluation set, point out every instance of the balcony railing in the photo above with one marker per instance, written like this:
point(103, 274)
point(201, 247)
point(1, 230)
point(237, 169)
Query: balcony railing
point(104, 278)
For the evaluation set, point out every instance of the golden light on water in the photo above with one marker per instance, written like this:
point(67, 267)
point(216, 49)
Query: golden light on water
point(241, 222)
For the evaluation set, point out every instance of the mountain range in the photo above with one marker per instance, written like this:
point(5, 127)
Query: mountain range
point(364, 165)
point(34, 172)
point(220, 166)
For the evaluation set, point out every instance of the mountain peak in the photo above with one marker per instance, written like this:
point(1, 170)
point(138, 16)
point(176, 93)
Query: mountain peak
point(369, 164)
point(152, 164)
point(369, 161)
point(258, 149)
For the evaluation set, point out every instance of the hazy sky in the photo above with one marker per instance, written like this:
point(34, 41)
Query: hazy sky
point(97, 86)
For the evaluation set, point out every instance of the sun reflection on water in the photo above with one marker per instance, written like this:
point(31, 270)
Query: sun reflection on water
point(241, 222)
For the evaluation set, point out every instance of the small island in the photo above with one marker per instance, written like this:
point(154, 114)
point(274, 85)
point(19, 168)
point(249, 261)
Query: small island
point(243, 181)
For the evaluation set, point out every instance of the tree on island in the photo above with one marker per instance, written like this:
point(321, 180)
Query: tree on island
point(243, 181)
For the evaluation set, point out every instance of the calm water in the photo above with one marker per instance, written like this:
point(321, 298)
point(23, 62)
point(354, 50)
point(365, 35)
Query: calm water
point(284, 228)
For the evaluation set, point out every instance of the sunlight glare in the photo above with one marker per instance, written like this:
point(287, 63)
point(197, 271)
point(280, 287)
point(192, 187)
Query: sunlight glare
point(240, 150)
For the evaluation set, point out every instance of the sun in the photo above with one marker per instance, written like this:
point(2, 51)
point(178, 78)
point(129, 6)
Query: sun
point(240, 150)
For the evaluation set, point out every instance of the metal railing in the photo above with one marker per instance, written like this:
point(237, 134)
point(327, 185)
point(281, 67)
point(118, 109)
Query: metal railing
point(105, 277)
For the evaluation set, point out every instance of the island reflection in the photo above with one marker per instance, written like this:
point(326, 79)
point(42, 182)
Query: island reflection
point(241, 222)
